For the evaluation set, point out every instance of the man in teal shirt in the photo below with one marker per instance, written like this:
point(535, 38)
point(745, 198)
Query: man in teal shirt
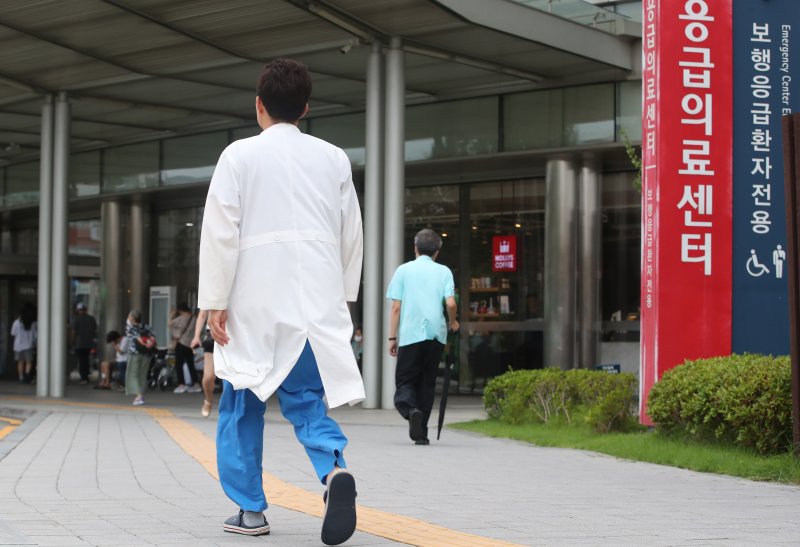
point(417, 291)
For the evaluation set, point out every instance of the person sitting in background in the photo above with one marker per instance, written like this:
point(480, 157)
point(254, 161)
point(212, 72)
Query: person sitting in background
point(182, 330)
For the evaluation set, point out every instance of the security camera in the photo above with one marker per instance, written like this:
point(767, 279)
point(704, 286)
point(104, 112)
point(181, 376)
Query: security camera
point(347, 46)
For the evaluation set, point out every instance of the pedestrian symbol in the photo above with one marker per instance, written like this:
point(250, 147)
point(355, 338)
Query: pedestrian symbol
point(778, 258)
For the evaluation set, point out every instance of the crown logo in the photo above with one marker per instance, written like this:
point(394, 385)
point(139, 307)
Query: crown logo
point(505, 246)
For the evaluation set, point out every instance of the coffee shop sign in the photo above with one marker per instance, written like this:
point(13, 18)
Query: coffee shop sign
point(504, 253)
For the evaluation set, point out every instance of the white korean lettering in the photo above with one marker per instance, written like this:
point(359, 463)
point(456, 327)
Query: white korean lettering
point(695, 158)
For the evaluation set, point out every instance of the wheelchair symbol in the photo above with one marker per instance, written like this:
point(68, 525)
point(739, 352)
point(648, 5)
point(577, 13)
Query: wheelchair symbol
point(754, 267)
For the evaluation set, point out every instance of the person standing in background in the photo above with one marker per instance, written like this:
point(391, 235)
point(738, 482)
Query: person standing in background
point(25, 332)
point(203, 338)
point(138, 343)
point(182, 329)
point(417, 330)
point(357, 343)
point(83, 334)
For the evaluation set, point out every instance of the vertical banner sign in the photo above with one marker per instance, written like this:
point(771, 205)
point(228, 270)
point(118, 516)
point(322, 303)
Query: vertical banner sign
point(763, 47)
point(686, 190)
point(504, 253)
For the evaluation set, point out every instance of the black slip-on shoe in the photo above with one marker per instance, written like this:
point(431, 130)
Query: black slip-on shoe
point(422, 441)
point(236, 525)
point(339, 521)
point(415, 430)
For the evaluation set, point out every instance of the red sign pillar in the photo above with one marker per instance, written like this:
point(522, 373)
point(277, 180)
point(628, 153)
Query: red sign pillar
point(686, 185)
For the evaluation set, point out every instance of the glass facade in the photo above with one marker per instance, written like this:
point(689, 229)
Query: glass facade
point(191, 159)
point(22, 183)
point(629, 110)
point(84, 238)
point(174, 247)
point(533, 120)
point(500, 306)
point(130, 167)
point(552, 118)
point(458, 128)
point(347, 132)
point(84, 174)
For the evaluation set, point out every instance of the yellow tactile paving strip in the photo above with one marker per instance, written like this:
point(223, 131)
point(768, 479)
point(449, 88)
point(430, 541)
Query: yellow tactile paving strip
point(11, 425)
point(372, 521)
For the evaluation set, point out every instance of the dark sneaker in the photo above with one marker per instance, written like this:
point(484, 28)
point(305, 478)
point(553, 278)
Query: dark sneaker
point(415, 430)
point(236, 525)
point(339, 521)
point(422, 441)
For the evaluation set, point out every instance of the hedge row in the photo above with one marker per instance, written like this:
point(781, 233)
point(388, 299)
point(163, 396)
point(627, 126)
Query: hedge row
point(605, 401)
point(740, 399)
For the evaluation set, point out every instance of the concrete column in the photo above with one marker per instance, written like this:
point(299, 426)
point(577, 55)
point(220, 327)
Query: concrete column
point(112, 313)
point(45, 232)
point(394, 195)
point(138, 252)
point(560, 264)
point(373, 231)
point(59, 306)
point(589, 263)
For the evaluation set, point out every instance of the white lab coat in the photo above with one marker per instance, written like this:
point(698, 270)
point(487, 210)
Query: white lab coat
point(281, 249)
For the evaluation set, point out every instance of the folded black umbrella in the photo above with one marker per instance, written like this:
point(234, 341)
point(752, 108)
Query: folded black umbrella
point(448, 371)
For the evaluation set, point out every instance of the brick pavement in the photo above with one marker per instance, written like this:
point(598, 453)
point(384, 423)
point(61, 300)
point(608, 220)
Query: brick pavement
point(112, 475)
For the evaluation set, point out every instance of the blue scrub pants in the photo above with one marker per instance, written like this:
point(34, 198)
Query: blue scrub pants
point(240, 432)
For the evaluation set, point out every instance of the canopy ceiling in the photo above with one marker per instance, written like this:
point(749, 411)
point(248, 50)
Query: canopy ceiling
point(143, 69)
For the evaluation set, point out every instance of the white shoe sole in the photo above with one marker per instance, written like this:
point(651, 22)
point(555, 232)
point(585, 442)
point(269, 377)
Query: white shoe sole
point(260, 531)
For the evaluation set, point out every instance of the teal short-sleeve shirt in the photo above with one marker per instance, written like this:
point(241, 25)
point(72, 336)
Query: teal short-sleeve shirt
point(421, 286)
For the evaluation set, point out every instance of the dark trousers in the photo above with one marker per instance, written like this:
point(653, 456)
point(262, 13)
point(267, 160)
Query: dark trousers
point(184, 354)
point(415, 378)
point(83, 362)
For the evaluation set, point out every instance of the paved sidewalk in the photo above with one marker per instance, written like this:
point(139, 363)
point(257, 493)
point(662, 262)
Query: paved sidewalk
point(93, 470)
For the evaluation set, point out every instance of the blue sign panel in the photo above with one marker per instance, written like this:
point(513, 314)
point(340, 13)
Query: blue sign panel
point(766, 73)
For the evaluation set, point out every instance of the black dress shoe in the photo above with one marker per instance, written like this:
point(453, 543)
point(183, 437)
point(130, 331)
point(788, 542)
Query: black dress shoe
point(415, 430)
point(422, 441)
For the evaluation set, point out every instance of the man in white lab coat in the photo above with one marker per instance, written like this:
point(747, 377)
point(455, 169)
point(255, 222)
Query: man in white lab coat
point(280, 257)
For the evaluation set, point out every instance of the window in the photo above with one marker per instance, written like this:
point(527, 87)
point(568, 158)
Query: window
point(458, 128)
point(534, 120)
point(629, 110)
point(589, 114)
point(621, 259)
point(347, 132)
point(192, 159)
point(84, 174)
point(175, 244)
point(22, 183)
point(130, 167)
point(84, 238)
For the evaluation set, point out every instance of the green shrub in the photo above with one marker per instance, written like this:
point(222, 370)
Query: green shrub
point(605, 401)
point(741, 399)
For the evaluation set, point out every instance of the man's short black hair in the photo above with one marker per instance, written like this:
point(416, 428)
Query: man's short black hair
point(284, 88)
point(427, 242)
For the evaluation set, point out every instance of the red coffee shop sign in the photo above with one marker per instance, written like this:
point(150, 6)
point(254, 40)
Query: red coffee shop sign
point(504, 253)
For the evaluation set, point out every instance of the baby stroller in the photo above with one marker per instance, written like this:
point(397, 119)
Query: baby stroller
point(161, 375)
